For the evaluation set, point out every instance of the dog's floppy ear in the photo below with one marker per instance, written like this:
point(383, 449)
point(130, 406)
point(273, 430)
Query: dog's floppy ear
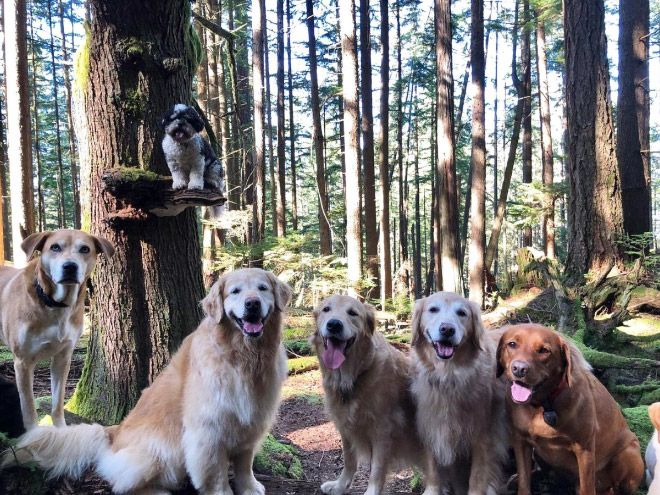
point(565, 350)
point(103, 246)
point(35, 242)
point(371, 318)
point(501, 346)
point(195, 120)
point(478, 330)
point(165, 117)
point(282, 292)
point(212, 304)
point(418, 310)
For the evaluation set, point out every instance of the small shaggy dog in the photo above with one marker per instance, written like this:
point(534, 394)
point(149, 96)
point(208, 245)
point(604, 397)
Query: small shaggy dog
point(189, 157)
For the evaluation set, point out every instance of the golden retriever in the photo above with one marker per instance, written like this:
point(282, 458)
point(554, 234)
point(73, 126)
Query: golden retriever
point(460, 404)
point(561, 410)
point(42, 308)
point(367, 390)
point(212, 404)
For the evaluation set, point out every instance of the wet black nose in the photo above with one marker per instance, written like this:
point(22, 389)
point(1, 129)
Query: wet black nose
point(253, 304)
point(519, 369)
point(334, 326)
point(70, 268)
point(447, 330)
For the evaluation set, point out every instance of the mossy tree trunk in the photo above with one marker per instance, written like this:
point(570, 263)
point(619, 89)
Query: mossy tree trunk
point(138, 59)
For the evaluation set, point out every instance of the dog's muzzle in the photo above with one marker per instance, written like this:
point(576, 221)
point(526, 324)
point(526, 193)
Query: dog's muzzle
point(253, 320)
point(445, 345)
point(69, 273)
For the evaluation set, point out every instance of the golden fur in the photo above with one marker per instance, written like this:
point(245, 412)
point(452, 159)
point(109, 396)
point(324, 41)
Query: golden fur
point(367, 396)
point(653, 451)
point(35, 332)
point(591, 439)
point(460, 403)
point(211, 405)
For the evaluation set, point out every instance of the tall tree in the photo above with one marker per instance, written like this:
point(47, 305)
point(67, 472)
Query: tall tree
point(370, 227)
point(546, 138)
point(383, 156)
point(478, 190)
point(352, 144)
point(526, 76)
point(595, 218)
point(445, 144)
point(403, 218)
point(41, 209)
point(633, 111)
point(281, 145)
point(292, 127)
point(19, 145)
point(259, 157)
point(317, 138)
point(158, 295)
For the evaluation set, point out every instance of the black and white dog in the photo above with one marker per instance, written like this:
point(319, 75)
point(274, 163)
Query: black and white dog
point(189, 157)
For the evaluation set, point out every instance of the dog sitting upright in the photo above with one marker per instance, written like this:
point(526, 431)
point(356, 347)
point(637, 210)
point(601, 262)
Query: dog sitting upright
point(41, 310)
point(189, 157)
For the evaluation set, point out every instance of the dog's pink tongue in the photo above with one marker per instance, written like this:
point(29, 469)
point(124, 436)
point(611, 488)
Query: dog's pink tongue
point(520, 393)
point(333, 356)
point(252, 327)
point(179, 134)
point(445, 350)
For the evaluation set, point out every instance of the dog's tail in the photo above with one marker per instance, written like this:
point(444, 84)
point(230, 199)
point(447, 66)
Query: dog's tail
point(67, 451)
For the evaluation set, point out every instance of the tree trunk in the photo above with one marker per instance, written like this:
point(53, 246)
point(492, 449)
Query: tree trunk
point(19, 146)
point(383, 157)
point(281, 145)
point(526, 73)
point(546, 139)
point(75, 191)
point(403, 220)
point(340, 112)
point(632, 114)
point(259, 159)
point(417, 254)
point(445, 148)
point(371, 230)
point(41, 209)
point(157, 292)
point(595, 218)
point(6, 226)
point(495, 134)
point(478, 190)
point(292, 128)
point(324, 222)
point(226, 148)
point(202, 67)
point(271, 157)
point(352, 144)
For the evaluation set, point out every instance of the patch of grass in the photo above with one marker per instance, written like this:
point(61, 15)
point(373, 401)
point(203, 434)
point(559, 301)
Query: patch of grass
point(416, 481)
point(303, 364)
point(278, 459)
point(298, 347)
point(640, 424)
point(298, 332)
point(401, 339)
point(5, 353)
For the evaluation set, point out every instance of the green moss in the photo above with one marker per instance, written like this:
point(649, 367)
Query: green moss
point(134, 173)
point(5, 354)
point(639, 423)
point(400, 339)
point(303, 364)
point(278, 459)
point(416, 481)
point(133, 103)
point(81, 63)
point(298, 347)
point(298, 332)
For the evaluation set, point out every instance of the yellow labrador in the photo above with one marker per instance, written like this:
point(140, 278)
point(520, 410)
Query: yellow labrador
point(367, 390)
point(212, 404)
point(41, 310)
point(460, 403)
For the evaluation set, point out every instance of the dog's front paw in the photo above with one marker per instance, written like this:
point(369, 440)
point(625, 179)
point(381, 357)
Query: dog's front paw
point(372, 490)
point(254, 488)
point(179, 184)
point(336, 487)
point(432, 490)
point(196, 185)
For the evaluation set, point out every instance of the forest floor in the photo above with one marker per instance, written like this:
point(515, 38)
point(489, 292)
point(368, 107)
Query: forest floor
point(305, 448)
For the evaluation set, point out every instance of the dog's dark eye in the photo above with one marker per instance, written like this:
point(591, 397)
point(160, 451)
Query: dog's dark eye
point(84, 249)
point(351, 312)
point(326, 309)
point(461, 312)
point(512, 345)
point(56, 248)
point(236, 290)
point(544, 350)
point(433, 309)
point(263, 287)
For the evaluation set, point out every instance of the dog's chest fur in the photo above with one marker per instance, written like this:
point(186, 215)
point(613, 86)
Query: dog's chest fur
point(43, 341)
point(183, 156)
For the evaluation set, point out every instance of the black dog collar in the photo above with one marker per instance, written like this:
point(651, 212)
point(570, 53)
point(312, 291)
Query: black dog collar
point(46, 299)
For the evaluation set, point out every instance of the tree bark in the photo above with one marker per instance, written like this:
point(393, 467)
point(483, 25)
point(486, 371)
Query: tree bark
point(417, 252)
point(41, 209)
point(259, 159)
point(526, 76)
point(633, 110)
point(281, 145)
point(352, 144)
point(478, 190)
point(595, 218)
point(292, 128)
point(274, 194)
point(403, 220)
point(317, 137)
point(546, 139)
point(19, 146)
point(121, 89)
point(383, 157)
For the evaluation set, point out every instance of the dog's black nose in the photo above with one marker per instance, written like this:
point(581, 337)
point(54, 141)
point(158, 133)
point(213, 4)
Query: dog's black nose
point(70, 268)
point(334, 326)
point(447, 330)
point(253, 304)
point(519, 369)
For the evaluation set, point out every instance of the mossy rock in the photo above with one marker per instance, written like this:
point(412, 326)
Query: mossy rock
point(640, 424)
point(298, 347)
point(303, 364)
point(278, 459)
